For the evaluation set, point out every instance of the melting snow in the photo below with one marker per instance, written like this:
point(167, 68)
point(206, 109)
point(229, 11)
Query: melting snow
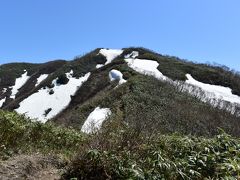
point(2, 101)
point(146, 67)
point(133, 54)
point(19, 83)
point(41, 78)
point(110, 55)
point(214, 94)
point(95, 120)
point(219, 92)
point(99, 66)
point(37, 105)
point(116, 75)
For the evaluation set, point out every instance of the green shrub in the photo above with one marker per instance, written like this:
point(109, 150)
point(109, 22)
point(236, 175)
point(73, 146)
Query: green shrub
point(18, 134)
point(157, 157)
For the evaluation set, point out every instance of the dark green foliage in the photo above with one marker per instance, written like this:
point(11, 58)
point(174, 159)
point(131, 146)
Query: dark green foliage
point(18, 135)
point(62, 79)
point(9, 72)
point(122, 154)
point(153, 106)
point(176, 69)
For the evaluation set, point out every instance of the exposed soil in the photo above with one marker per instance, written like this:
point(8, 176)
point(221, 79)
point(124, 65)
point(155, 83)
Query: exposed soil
point(34, 167)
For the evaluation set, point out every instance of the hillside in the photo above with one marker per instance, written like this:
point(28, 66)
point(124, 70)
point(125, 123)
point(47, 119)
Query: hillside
point(155, 92)
point(119, 114)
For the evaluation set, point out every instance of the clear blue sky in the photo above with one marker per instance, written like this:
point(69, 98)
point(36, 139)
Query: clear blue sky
point(199, 30)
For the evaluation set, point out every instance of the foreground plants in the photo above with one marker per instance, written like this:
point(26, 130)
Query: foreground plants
point(123, 152)
point(159, 157)
point(21, 135)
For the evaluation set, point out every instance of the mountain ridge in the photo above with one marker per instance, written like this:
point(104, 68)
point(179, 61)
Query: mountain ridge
point(98, 85)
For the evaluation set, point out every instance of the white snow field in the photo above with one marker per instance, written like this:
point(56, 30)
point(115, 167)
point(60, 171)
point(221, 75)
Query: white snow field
point(116, 75)
point(2, 101)
point(95, 120)
point(36, 105)
point(146, 67)
point(110, 55)
point(41, 78)
point(19, 83)
point(220, 92)
point(213, 94)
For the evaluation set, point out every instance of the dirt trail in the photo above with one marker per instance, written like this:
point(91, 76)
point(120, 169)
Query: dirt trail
point(34, 167)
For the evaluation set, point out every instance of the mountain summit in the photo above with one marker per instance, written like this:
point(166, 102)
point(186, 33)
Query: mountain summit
point(132, 85)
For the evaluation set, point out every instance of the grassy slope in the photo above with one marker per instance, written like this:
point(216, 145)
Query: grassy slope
point(122, 152)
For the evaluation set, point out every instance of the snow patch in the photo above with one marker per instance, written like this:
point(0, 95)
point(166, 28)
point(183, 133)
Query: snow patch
point(95, 120)
point(133, 55)
point(146, 67)
point(48, 102)
point(99, 66)
point(41, 78)
point(218, 92)
point(19, 83)
point(215, 95)
point(116, 75)
point(4, 90)
point(110, 55)
point(2, 101)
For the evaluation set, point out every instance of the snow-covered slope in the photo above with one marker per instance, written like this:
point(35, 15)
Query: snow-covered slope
point(19, 83)
point(146, 67)
point(219, 92)
point(207, 93)
point(48, 102)
point(110, 55)
point(95, 120)
point(41, 78)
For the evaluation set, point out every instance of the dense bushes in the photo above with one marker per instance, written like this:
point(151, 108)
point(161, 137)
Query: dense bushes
point(9, 72)
point(62, 79)
point(153, 106)
point(118, 156)
point(120, 151)
point(18, 134)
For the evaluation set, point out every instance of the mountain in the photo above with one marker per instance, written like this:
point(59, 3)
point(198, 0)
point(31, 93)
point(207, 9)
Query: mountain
point(136, 86)
point(119, 114)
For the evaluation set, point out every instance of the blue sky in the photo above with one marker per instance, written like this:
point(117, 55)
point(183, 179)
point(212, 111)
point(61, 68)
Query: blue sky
point(200, 30)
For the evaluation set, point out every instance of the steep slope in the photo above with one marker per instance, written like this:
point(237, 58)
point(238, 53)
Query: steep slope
point(141, 88)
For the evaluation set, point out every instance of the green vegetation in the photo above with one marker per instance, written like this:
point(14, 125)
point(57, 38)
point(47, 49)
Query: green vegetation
point(155, 131)
point(123, 153)
point(21, 135)
point(9, 72)
point(150, 105)
point(176, 69)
